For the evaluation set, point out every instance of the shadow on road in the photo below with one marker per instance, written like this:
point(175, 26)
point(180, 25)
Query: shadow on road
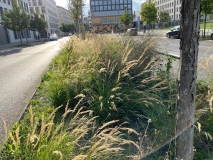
point(7, 52)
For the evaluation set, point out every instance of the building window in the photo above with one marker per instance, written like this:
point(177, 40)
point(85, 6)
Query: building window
point(40, 3)
point(96, 3)
point(113, 7)
point(43, 10)
point(105, 2)
point(34, 3)
point(15, 34)
point(31, 10)
point(37, 10)
point(109, 7)
point(97, 8)
point(1, 13)
point(105, 8)
point(101, 8)
point(125, 6)
point(113, 1)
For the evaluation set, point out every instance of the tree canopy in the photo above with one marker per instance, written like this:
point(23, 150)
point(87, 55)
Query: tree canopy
point(37, 23)
point(126, 18)
point(67, 27)
point(16, 19)
point(206, 8)
point(164, 16)
point(149, 12)
point(75, 10)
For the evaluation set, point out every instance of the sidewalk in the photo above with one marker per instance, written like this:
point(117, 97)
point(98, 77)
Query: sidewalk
point(5, 48)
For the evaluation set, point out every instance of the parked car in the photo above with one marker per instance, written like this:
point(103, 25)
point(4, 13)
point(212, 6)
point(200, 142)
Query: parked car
point(53, 37)
point(132, 32)
point(211, 36)
point(175, 32)
point(70, 34)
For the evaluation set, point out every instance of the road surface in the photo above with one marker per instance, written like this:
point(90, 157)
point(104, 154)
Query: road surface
point(20, 73)
point(205, 54)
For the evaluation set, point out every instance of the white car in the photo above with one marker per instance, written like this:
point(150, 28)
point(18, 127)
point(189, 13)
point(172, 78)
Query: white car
point(53, 37)
point(70, 34)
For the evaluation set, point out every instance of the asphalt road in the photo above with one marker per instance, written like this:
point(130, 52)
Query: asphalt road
point(20, 73)
point(205, 54)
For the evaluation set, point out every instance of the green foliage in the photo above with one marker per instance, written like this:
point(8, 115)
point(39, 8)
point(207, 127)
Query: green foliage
point(149, 12)
point(16, 19)
point(203, 128)
point(115, 77)
point(67, 28)
point(206, 8)
point(164, 16)
point(126, 18)
point(86, 26)
point(74, 7)
point(37, 23)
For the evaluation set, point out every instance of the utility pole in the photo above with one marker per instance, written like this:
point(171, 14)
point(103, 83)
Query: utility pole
point(82, 20)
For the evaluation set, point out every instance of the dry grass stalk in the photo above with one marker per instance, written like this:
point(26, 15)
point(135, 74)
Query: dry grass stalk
point(5, 129)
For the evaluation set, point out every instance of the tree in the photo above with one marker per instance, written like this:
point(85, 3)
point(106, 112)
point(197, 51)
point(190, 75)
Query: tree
point(16, 19)
point(75, 10)
point(86, 26)
point(67, 28)
point(126, 18)
point(189, 41)
point(37, 23)
point(164, 16)
point(149, 12)
point(206, 8)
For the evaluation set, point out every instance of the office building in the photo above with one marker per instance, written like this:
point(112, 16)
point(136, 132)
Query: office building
point(64, 16)
point(105, 14)
point(170, 6)
point(8, 36)
point(46, 9)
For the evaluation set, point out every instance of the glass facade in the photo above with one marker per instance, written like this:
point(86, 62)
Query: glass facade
point(111, 5)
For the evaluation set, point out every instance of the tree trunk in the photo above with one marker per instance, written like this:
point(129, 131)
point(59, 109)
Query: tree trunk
point(205, 25)
point(20, 36)
point(82, 21)
point(26, 34)
point(189, 36)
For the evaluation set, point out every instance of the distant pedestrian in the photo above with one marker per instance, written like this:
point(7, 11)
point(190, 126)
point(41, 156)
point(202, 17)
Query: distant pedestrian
point(144, 29)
